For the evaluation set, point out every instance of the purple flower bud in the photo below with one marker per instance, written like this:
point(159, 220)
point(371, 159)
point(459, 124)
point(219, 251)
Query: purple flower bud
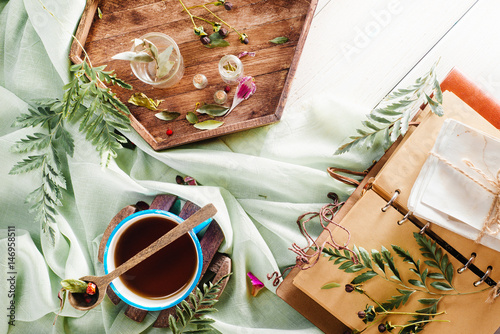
point(205, 40)
point(349, 288)
point(223, 32)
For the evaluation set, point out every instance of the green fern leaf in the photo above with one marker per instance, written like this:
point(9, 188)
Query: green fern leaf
point(173, 325)
point(37, 141)
point(377, 258)
point(389, 260)
point(365, 257)
point(35, 117)
point(395, 112)
point(396, 301)
point(430, 250)
point(204, 321)
point(30, 163)
point(364, 277)
point(180, 316)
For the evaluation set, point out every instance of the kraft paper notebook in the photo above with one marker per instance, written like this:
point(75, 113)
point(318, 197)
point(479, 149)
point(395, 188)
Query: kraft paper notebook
point(371, 228)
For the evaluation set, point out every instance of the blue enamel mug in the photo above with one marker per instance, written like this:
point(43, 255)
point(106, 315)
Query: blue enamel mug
point(123, 286)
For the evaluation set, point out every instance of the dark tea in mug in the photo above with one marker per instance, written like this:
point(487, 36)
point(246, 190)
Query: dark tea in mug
point(163, 274)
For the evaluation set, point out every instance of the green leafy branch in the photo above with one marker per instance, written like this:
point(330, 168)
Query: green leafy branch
point(192, 314)
point(392, 117)
point(377, 262)
point(381, 264)
point(99, 112)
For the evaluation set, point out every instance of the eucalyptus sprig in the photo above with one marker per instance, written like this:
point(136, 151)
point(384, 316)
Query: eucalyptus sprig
point(193, 312)
point(216, 26)
point(392, 117)
point(97, 110)
point(381, 264)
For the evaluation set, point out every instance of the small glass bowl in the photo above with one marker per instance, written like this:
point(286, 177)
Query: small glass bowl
point(146, 72)
point(230, 69)
point(220, 97)
point(200, 81)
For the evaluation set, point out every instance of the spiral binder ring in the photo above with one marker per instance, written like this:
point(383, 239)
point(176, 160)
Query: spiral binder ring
point(464, 268)
point(393, 198)
point(405, 218)
point(422, 231)
point(486, 275)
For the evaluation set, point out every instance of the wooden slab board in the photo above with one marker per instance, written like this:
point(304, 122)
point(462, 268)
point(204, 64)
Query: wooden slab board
point(217, 263)
point(273, 66)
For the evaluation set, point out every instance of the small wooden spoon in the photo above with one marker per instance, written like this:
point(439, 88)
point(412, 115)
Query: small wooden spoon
point(102, 282)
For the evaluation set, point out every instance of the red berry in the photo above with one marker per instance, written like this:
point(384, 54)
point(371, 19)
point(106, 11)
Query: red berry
point(227, 89)
point(91, 288)
point(170, 132)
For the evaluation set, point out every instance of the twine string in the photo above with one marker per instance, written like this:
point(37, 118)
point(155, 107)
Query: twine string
point(305, 260)
point(492, 222)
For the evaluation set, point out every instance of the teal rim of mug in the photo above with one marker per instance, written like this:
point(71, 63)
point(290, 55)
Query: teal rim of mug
point(198, 249)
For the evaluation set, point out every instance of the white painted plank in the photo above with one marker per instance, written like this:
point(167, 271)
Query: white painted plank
point(358, 51)
point(472, 46)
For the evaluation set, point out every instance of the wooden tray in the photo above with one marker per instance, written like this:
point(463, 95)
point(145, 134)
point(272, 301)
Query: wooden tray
point(213, 261)
point(273, 67)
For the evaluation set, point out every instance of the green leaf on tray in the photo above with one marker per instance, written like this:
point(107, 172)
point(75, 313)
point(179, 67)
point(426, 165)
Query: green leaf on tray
point(279, 40)
point(208, 125)
point(167, 115)
point(164, 62)
point(152, 48)
point(141, 100)
point(140, 57)
point(216, 41)
point(191, 117)
point(213, 110)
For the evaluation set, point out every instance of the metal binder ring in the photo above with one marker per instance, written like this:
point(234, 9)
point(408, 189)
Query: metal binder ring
point(464, 268)
point(405, 218)
point(486, 275)
point(393, 198)
point(422, 231)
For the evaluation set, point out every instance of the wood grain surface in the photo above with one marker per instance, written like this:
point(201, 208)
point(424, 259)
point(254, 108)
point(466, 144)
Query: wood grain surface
point(273, 67)
point(210, 242)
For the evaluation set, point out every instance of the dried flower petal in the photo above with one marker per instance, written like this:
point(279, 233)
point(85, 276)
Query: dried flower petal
point(246, 53)
point(257, 285)
point(62, 297)
point(190, 181)
point(246, 88)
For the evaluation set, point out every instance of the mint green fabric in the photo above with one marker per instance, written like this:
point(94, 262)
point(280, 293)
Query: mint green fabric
point(260, 180)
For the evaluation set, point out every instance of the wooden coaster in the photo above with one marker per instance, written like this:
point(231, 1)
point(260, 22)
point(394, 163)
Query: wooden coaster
point(217, 263)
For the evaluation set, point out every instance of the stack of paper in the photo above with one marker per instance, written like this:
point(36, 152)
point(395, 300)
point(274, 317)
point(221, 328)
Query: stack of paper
point(451, 194)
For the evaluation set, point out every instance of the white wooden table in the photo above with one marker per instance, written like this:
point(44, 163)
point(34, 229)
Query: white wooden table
point(361, 50)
